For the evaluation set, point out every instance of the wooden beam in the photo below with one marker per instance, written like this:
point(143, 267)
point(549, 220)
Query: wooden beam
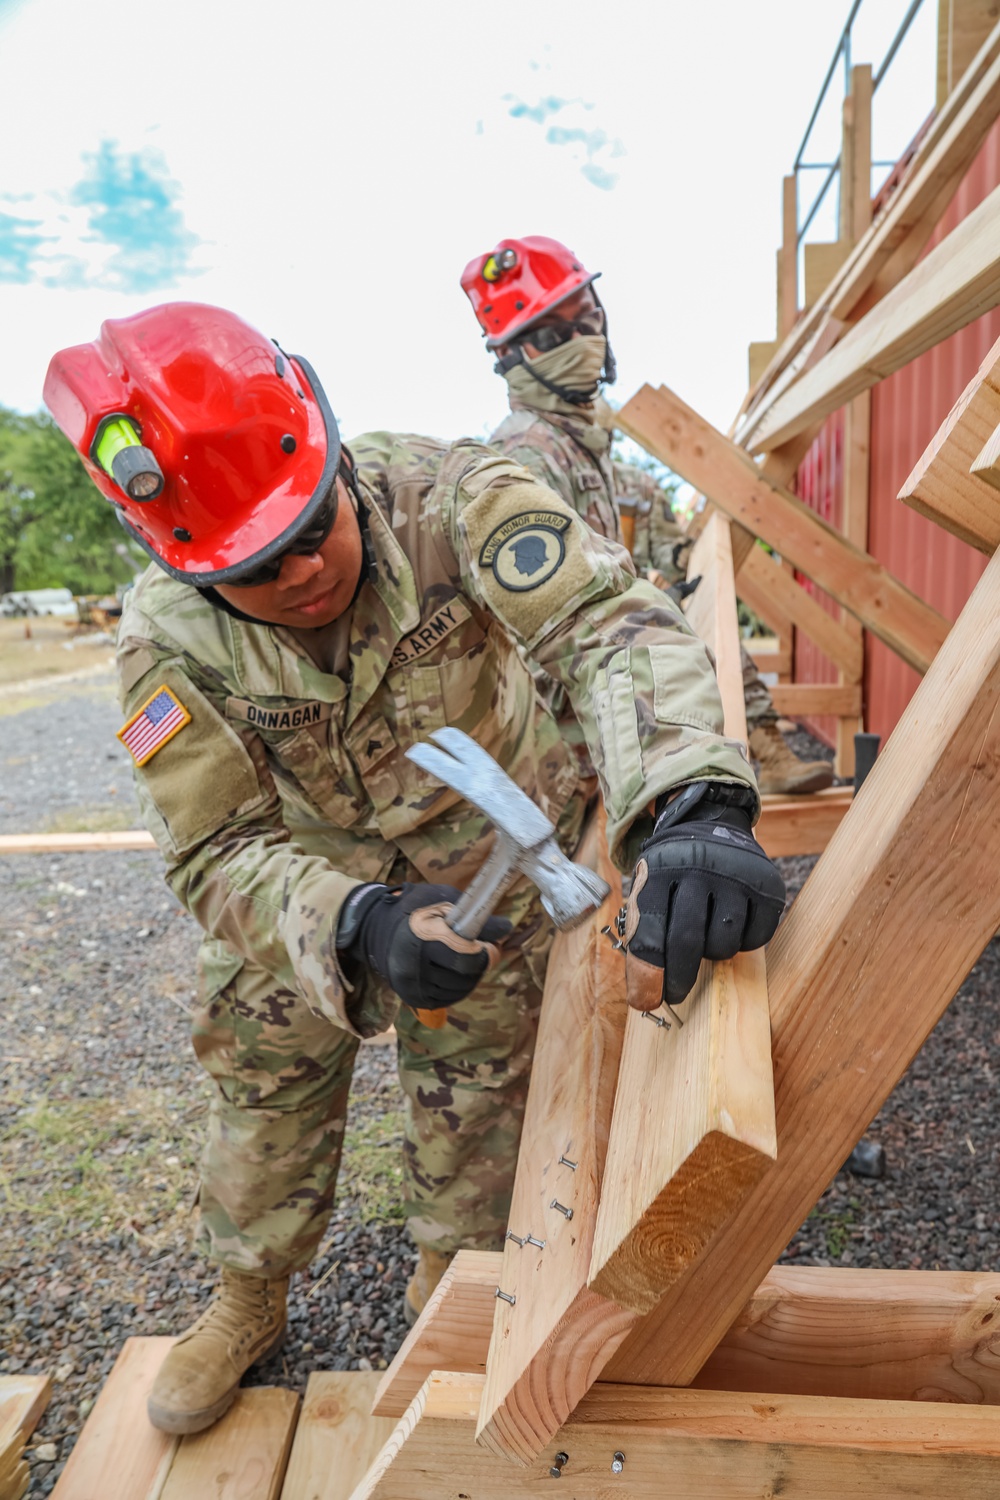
point(952, 286)
point(759, 356)
point(800, 700)
point(788, 258)
point(664, 425)
point(547, 1337)
point(806, 1331)
point(854, 524)
point(765, 584)
point(711, 612)
point(337, 1438)
point(76, 843)
point(801, 825)
point(779, 662)
point(452, 1332)
point(948, 483)
point(969, 24)
point(705, 1444)
point(692, 1132)
point(862, 968)
point(821, 263)
point(23, 1399)
point(896, 240)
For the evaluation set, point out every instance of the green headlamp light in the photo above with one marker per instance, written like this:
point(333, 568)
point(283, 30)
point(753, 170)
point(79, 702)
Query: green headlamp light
point(116, 447)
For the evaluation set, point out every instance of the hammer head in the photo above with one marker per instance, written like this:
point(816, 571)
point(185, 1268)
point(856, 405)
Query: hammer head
point(525, 836)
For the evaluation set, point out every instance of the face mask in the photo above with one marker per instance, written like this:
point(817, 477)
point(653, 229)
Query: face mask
point(575, 366)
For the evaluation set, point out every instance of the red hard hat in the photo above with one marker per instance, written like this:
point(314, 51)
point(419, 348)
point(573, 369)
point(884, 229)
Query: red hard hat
point(518, 282)
point(242, 433)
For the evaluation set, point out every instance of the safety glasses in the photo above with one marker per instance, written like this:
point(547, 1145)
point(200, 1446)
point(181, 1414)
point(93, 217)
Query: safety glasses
point(548, 336)
point(309, 540)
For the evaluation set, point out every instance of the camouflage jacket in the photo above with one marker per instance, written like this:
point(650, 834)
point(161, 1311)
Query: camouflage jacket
point(289, 785)
point(552, 446)
point(656, 531)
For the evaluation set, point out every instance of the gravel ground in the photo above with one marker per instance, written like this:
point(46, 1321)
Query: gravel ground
point(101, 1108)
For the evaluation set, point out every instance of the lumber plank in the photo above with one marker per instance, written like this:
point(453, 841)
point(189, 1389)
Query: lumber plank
point(544, 1344)
point(895, 241)
point(118, 1452)
point(23, 1399)
point(765, 660)
point(764, 584)
point(943, 484)
point(336, 1439)
point(759, 355)
point(75, 843)
point(664, 425)
point(693, 1130)
point(821, 262)
point(711, 612)
point(708, 1445)
point(969, 23)
point(797, 700)
point(801, 825)
point(891, 920)
point(806, 1331)
point(854, 524)
point(788, 257)
point(956, 283)
point(874, 1335)
point(243, 1457)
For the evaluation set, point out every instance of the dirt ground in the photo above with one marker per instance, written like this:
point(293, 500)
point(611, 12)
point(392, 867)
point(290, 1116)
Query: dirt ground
point(102, 1108)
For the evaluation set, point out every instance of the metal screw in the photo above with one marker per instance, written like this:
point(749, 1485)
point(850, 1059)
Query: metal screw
point(564, 1161)
point(530, 1240)
point(618, 1463)
point(517, 1241)
point(558, 1464)
point(567, 1212)
point(505, 1296)
point(656, 1020)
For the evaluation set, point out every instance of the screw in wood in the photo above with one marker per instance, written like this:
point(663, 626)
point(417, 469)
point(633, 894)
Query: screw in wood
point(558, 1464)
point(618, 1463)
point(656, 1020)
point(564, 1161)
point(505, 1296)
point(530, 1240)
point(517, 1240)
point(566, 1212)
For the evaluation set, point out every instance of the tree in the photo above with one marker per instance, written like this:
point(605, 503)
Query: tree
point(56, 529)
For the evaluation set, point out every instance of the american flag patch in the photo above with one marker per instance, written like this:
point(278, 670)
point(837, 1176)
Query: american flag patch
point(158, 720)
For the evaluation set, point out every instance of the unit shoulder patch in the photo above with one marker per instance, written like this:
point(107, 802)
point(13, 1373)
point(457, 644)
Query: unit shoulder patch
point(161, 717)
point(526, 550)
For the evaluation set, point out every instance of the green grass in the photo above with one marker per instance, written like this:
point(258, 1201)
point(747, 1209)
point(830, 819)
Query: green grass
point(837, 1228)
point(371, 1170)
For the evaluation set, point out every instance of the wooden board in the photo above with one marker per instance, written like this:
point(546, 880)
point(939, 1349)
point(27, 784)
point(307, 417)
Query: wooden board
point(337, 1438)
point(544, 1344)
point(895, 241)
point(884, 931)
point(118, 1453)
point(954, 284)
point(941, 485)
point(759, 356)
point(692, 1131)
point(665, 426)
point(75, 843)
point(452, 1332)
point(711, 612)
point(765, 585)
point(798, 700)
point(702, 1445)
point(807, 1331)
point(243, 1457)
point(779, 662)
point(23, 1399)
point(801, 825)
point(821, 262)
point(877, 1335)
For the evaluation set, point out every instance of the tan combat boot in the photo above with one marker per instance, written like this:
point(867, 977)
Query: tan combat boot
point(780, 768)
point(200, 1376)
point(430, 1268)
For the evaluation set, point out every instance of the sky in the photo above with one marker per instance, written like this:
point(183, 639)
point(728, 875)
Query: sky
point(327, 169)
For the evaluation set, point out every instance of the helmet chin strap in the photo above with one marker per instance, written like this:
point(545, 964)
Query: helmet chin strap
point(564, 392)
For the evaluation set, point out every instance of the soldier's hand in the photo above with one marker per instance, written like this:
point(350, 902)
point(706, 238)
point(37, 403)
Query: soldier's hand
point(703, 888)
point(400, 932)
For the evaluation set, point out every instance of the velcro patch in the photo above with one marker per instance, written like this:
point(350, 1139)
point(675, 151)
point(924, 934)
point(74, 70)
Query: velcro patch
point(287, 716)
point(158, 720)
point(427, 634)
point(587, 479)
point(525, 550)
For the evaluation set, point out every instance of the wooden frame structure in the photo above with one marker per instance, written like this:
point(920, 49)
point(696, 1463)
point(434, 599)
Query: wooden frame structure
point(634, 1335)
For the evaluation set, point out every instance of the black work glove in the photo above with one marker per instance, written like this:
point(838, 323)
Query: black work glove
point(682, 589)
point(400, 932)
point(703, 888)
point(679, 553)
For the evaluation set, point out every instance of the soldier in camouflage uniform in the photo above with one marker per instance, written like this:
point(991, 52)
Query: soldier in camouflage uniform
point(554, 353)
point(310, 614)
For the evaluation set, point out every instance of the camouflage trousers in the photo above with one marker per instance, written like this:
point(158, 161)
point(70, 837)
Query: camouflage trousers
point(760, 709)
point(282, 1077)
